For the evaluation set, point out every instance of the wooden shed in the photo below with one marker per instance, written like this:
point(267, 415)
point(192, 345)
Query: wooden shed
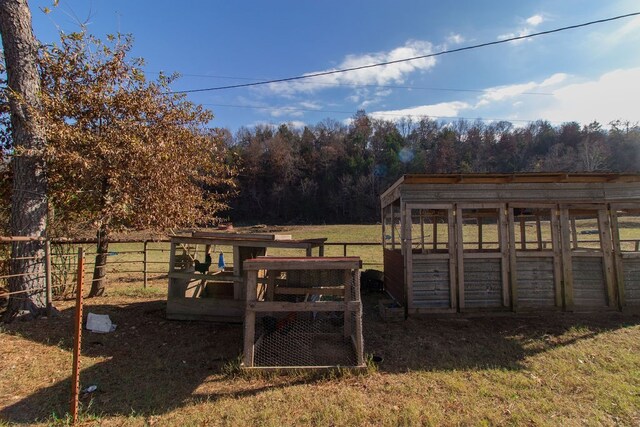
point(512, 242)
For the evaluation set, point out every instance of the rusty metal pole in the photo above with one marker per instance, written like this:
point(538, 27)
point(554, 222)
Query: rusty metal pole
point(144, 265)
point(75, 378)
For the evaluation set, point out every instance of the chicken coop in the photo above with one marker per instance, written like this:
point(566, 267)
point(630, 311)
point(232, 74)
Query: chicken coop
point(303, 313)
point(512, 242)
point(203, 288)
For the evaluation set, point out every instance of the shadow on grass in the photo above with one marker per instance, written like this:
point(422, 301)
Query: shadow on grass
point(152, 366)
point(473, 342)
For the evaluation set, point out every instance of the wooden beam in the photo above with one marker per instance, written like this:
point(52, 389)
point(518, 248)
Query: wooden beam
point(280, 306)
point(408, 256)
point(302, 263)
point(348, 283)
point(567, 265)
point(539, 232)
point(332, 290)
point(453, 262)
point(606, 242)
point(617, 251)
point(513, 273)
point(503, 236)
point(460, 257)
point(250, 317)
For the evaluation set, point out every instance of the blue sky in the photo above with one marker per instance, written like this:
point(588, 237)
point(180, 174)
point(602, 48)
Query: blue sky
point(579, 75)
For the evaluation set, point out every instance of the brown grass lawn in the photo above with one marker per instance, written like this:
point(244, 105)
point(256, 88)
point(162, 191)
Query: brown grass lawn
point(555, 369)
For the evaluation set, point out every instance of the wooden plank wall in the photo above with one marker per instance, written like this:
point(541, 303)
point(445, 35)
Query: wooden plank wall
point(431, 285)
point(482, 283)
point(589, 288)
point(631, 268)
point(536, 284)
point(394, 274)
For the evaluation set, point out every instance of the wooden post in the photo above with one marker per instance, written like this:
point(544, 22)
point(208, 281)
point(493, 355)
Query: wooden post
point(435, 233)
point(567, 265)
point(451, 229)
point(144, 264)
point(421, 231)
point(604, 227)
point(513, 272)
point(617, 256)
point(539, 232)
point(250, 318)
point(348, 279)
point(503, 237)
point(407, 239)
point(393, 228)
point(47, 271)
point(523, 233)
point(344, 249)
point(479, 221)
point(557, 257)
point(460, 257)
point(75, 377)
point(358, 326)
point(574, 233)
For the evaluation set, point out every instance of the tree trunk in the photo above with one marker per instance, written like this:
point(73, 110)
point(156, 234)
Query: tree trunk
point(29, 200)
point(100, 268)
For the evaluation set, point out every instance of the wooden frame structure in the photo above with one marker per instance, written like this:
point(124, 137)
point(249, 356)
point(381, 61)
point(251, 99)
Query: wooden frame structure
point(219, 295)
point(515, 242)
point(303, 313)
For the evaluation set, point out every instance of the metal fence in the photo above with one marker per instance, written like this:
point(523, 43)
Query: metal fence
point(131, 260)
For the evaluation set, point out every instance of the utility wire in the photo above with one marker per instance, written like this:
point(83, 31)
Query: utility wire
point(361, 85)
point(431, 55)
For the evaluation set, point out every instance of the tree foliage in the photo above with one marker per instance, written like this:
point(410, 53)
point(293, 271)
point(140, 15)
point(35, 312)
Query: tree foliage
point(332, 172)
point(122, 151)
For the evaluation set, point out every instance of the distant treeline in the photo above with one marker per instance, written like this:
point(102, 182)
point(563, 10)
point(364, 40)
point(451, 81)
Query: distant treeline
point(334, 172)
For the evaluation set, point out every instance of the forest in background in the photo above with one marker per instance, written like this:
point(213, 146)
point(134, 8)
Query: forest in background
point(334, 172)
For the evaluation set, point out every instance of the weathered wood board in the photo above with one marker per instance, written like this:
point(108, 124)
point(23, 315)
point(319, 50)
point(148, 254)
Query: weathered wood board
point(631, 268)
point(431, 286)
point(482, 283)
point(589, 289)
point(536, 286)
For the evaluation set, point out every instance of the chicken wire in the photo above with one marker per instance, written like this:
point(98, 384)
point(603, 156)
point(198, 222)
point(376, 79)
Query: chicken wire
point(309, 338)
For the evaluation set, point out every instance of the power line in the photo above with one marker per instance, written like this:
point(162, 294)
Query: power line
point(361, 85)
point(431, 55)
point(382, 113)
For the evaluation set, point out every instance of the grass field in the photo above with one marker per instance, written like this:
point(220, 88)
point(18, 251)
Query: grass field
point(547, 369)
point(560, 369)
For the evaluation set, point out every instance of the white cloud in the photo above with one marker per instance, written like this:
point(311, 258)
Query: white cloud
point(530, 24)
point(443, 109)
point(501, 93)
point(610, 97)
point(454, 38)
point(605, 98)
point(383, 75)
point(296, 124)
point(629, 32)
point(310, 105)
point(534, 20)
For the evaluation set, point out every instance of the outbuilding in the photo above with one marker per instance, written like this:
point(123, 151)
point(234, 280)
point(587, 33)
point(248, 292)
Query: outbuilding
point(510, 242)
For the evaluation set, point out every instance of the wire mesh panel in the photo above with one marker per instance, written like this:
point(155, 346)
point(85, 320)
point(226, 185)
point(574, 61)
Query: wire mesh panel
point(303, 339)
point(305, 312)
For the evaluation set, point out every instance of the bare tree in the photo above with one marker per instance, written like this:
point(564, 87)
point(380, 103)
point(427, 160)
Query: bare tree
point(29, 191)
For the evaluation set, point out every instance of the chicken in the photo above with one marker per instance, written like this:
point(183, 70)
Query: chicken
point(203, 267)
